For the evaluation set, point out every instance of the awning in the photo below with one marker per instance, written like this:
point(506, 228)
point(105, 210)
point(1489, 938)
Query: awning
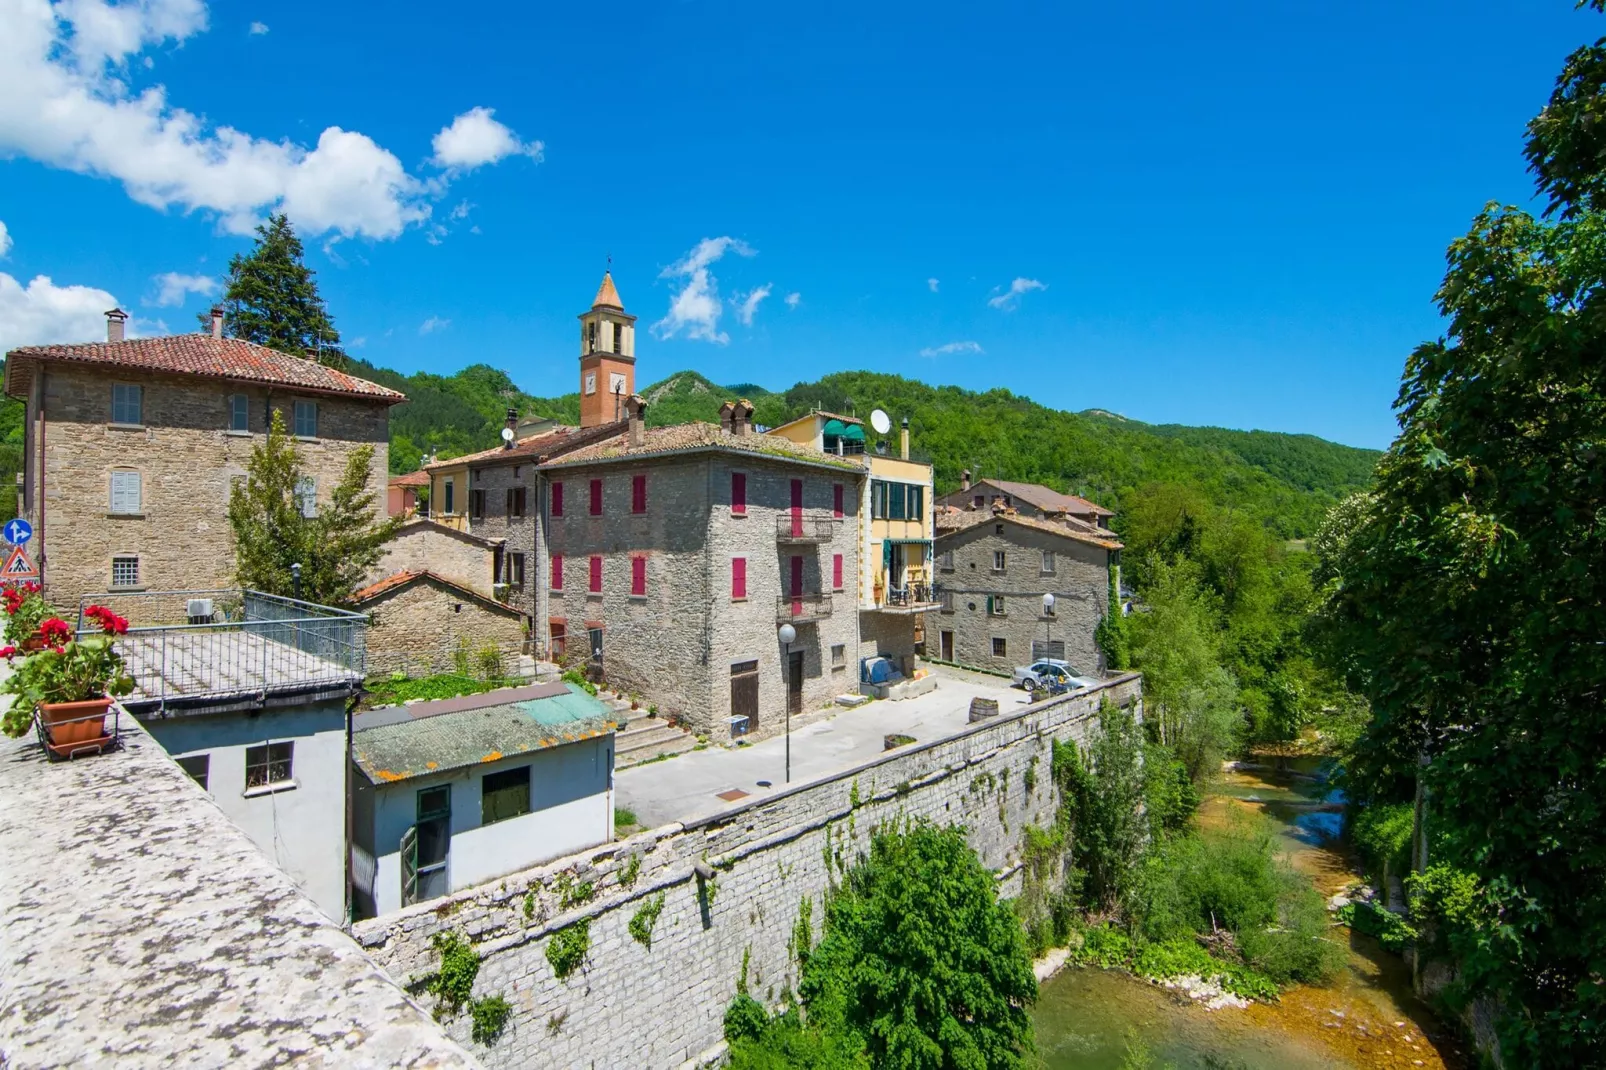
point(853, 431)
point(834, 427)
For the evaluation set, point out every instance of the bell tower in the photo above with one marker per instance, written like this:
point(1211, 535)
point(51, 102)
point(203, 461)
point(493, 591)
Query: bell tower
point(607, 357)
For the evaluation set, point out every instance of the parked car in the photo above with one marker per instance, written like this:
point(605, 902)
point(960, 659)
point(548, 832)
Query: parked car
point(1038, 674)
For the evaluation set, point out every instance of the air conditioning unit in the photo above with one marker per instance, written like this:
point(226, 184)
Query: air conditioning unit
point(199, 610)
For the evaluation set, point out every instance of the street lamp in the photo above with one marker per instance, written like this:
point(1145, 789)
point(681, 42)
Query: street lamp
point(1048, 620)
point(787, 635)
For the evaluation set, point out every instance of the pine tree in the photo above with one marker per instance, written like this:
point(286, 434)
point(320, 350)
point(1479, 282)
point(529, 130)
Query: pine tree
point(271, 298)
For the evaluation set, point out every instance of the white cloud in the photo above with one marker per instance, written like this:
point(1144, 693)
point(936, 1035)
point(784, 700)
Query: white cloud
point(171, 287)
point(475, 138)
point(1009, 300)
point(696, 308)
point(952, 347)
point(433, 324)
point(258, 29)
point(66, 101)
point(43, 312)
point(793, 300)
point(749, 306)
point(932, 284)
point(5, 240)
point(461, 210)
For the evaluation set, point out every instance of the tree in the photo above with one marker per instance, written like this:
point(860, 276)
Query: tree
point(1101, 806)
point(337, 548)
point(1468, 601)
point(921, 961)
point(271, 298)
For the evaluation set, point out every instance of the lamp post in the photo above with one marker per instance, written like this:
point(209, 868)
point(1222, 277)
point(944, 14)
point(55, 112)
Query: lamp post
point(787, 636)
point(295, 580)
point(1048, 620)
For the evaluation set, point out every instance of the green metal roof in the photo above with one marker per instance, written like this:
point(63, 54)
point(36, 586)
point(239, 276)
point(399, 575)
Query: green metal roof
point(413, 747)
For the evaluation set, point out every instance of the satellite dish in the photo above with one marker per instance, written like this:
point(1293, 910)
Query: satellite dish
point(507, 434)
point(881, 422)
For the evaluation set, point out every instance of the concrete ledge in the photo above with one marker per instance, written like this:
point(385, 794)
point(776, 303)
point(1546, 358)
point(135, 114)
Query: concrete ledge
point(140, 928)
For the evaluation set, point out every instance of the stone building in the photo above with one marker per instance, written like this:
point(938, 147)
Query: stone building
point(426, 623)
point(1027, 499)
point(993, 568)
point(131, 448)
point(425, 545)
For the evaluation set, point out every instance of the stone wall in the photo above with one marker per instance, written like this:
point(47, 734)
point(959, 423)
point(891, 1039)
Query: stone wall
point(423, 545)
point(658, 1006)
point(1080, 584)
point(419, 627)
point(518, 533)
point(187, 462)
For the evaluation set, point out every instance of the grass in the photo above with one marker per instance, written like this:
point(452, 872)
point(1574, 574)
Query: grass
point(623, 818)
point(388, 691)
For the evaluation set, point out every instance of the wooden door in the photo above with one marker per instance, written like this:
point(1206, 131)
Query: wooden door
point(744, 692)
point(794, 681)
point(947, 646)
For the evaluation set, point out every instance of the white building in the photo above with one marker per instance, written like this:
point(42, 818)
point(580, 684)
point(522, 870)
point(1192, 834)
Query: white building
point(454, 793)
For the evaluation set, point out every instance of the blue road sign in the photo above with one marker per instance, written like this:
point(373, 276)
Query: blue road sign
point(18, 532)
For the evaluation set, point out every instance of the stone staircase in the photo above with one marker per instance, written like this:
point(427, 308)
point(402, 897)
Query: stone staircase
point(648, 738)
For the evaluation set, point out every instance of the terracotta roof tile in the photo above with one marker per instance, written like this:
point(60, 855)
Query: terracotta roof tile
point(419, 478)
point(1042, 497)
point(389, 583)
point(953, 522)
point(687, 438)
point(551, 443)
point(213, 358)
point(607, 295)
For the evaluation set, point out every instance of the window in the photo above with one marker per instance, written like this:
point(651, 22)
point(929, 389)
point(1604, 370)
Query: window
point(306, 419)
point(738, 578)
point(307, 496)
point(432, 842)
point(449, 505)
point(476, 503)
point(897, 501)
point(126, 497)
point(596, 574)
point(557, 572)
point(998, 560)
point(946, 598)
point(515, 570)
point(1054, 649)
point(591, 347)
point(557, 498)
point(917, 503)
point(239, 412)
point(995, 605)
point(739, 492)
point(638, 576)
point(744, 692)
point(1048, 562)
point(125, 570)
point(638, 494)
point(945, 560)
point(198, 766)
point(1000, 648)
point(596, 497)
point(126, 404)
point(618, 338)
point(268, 764)
point(836, 500)
point(839, 655)
point(515, 501)
point(979, 500)
point(505, 794)
point(836, 572)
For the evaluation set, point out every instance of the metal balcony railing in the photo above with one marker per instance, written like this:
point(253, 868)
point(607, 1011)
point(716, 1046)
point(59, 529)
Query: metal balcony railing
point(201, 648)
point(914, 595)
point(801, 608)
point(804, 529)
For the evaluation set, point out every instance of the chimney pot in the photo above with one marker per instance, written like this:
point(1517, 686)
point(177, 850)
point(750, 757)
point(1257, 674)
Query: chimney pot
point(903, 440)
point(727, 413)
point(741, 417)
point(964, 480)
point(217, 321)
point(636, 414)
point(114, 324)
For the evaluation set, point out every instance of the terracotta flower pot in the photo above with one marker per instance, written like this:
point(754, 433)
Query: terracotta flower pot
point(32, 645)
point(75, 727)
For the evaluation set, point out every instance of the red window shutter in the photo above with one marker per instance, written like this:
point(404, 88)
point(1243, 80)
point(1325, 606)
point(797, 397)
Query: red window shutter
point(738, 577)
point(797, 575)
point(638, 575)
point(557, 499)
point(596, 574)
point(557, 572)
point(836, 500)
point(596, 497)
point(738, 492)
point(836, 571)
point(638, 494)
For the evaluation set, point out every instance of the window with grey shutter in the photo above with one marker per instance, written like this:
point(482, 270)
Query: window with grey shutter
point(306, 419)
point(126, 404)
point(307, 496)
point(125, 492)
point(239, 412)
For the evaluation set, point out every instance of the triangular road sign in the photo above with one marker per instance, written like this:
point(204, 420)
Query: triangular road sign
point(18, 567)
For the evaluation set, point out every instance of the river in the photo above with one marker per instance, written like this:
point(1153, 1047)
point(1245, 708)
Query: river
point(1368, 1017)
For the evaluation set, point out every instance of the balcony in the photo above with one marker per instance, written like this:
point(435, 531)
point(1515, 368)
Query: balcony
point(802, 608)
point(916, 596)
point(796, 530)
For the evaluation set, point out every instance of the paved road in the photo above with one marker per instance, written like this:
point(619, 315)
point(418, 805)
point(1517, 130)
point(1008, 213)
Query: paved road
point(686, 786)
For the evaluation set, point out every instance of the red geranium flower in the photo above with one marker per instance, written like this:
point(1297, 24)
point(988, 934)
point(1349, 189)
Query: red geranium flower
point(8, 652)
point(55, 631)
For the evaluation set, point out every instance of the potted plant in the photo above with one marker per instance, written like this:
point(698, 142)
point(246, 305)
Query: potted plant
point(25, 610)
point(70, 682)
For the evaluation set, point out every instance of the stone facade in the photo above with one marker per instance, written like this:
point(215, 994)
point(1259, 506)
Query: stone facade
point(420, 626)
point(966, 578)
point(186, 461)
point(769, 856)
point(676, 645)
point(516, 533)
point(425, 546)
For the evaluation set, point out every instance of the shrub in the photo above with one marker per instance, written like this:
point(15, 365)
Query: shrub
point(745, 1018)
point(1382, 834)
point(645, 918)
point(488, 663)
point(454, 983)
point(567, 948)
point(1389, 929)
point(623, 817)
point(490, 1017)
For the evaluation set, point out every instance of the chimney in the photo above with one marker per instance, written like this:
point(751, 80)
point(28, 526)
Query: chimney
point(727, 412)
point(217, 321)
point(964, 480)
point(114, 325)
point(636, 413)
point(742, 417)
point(903, 440)
point(513, 426)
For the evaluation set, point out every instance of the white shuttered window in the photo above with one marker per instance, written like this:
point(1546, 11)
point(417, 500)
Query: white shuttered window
point(125, 491)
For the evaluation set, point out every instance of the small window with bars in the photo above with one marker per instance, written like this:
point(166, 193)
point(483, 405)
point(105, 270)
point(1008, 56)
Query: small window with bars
point(125, 570)
point(269, 764)
point(1000, 648)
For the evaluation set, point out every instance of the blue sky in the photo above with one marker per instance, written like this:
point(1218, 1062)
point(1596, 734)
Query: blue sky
point(1204, 213)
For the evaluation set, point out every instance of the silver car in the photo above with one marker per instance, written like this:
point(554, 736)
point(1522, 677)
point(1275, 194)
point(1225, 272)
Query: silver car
point(1038, 674)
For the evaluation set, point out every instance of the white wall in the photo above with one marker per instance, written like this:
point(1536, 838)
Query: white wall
point(302, 828)
point(571, 808)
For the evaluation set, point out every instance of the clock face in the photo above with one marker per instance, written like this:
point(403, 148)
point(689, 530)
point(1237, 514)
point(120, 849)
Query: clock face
point(591, 382)
point(616, 383)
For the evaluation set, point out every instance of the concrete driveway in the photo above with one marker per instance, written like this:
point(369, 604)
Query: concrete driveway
point(688, 785)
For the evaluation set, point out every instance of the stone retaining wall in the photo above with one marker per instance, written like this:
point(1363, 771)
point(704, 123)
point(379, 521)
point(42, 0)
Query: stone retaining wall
point(660, 1006)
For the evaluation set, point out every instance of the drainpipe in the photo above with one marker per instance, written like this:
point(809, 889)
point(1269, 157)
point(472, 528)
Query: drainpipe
point(42, 385)
point(345, 770)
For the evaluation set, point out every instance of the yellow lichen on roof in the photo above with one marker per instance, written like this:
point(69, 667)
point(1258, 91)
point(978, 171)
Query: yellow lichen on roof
point(494, 756)
point(387, 776)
